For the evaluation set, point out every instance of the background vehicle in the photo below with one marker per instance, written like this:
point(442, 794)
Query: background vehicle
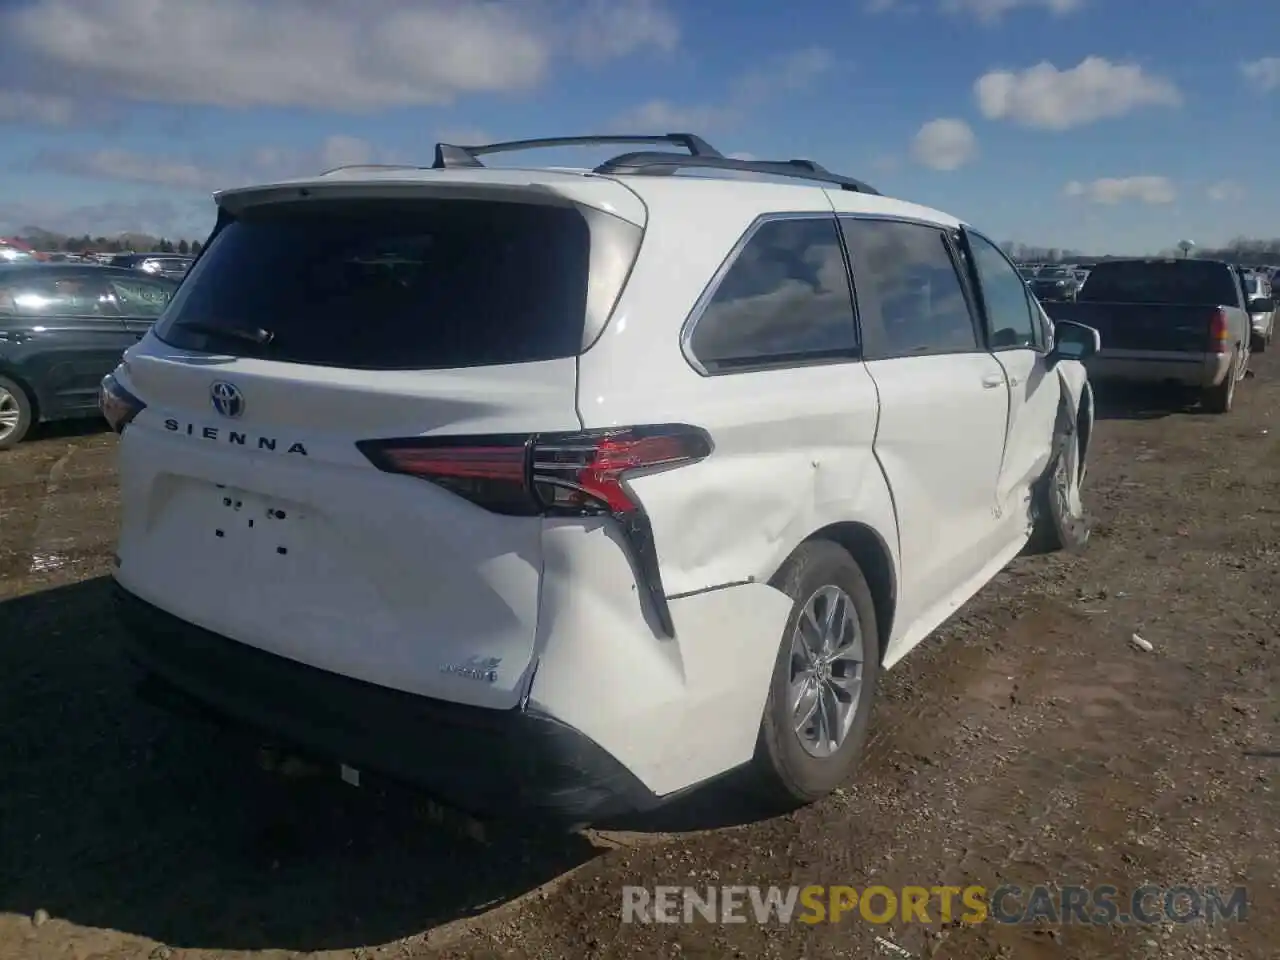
point(1054, 283)
point(1182, 322)
point(567, 491)
point(1259, 291)
point(158, 264)
point(62, 328)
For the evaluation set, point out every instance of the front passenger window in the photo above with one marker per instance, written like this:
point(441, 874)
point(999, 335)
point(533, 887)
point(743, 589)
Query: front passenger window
point(1010, 312)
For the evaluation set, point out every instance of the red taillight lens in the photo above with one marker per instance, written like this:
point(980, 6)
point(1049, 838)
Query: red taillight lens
point(555, 474)
point(117, 404)
point(491, 472)
point(1219, 333)
point(584, 473)
point(558, 473)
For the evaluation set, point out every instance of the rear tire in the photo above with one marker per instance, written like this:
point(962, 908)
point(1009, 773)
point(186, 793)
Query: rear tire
point(1258, 344)
point(1221, 398)
point(800, 761)
point(16, 413)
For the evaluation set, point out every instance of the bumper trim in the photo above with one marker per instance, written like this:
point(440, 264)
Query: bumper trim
point(500, 764)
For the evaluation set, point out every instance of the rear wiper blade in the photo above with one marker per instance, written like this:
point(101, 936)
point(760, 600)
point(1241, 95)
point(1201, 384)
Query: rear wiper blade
point(255, 335)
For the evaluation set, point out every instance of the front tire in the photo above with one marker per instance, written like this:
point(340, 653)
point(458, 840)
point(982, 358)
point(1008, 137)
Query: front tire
point(16, 414)
point(824, 679)
point(1060, 521)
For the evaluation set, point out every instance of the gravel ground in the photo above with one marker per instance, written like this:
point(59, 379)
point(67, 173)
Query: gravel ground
point(1028, 741)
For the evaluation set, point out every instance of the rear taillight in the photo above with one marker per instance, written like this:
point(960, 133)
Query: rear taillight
point(117, 404)
point(555, 474)
point(1219, 333)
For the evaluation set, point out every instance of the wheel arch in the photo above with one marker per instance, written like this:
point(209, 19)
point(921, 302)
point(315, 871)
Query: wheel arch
point(872, 555)
point(33, 397)
point(1084, 422)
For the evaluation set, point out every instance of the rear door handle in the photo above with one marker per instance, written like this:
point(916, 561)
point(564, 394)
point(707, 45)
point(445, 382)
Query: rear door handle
point(991, 383)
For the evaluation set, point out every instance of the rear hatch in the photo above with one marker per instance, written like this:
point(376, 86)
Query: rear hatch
point(321, 319)
point(1158, 306)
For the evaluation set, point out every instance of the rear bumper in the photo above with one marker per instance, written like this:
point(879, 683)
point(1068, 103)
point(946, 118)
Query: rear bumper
point(1195, 370)
point(491, 763)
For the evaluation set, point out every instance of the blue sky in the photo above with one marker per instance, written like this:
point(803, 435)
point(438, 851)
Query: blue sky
point(1106, 125)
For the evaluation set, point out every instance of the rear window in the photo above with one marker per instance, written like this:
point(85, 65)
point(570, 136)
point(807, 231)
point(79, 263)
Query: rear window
point(1200, 282)
point(390, 285)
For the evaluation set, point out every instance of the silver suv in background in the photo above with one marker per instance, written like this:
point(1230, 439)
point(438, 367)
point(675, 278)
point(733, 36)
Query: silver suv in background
point(1262, 325)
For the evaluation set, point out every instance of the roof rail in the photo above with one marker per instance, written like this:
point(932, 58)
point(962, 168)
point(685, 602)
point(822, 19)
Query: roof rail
point(658, 163)
point(449, 155)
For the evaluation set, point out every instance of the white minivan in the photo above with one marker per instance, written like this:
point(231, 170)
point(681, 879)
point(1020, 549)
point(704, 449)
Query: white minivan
point(560, 492)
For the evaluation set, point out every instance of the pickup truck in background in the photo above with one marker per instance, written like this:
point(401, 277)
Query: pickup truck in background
point(1182, 323)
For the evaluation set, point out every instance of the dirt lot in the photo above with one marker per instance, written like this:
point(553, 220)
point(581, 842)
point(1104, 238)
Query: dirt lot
point(1027, 742)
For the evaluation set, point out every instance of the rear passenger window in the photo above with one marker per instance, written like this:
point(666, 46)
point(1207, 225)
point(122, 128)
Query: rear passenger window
point(785, 299)
point(55, 295)
point(910, 301)
point(141, 298)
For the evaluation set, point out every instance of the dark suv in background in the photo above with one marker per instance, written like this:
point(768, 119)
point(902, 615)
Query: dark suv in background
point(63, 328)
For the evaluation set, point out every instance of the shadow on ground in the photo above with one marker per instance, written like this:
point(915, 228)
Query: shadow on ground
point(115, 814)
point(1129, 402)
point(70, 429)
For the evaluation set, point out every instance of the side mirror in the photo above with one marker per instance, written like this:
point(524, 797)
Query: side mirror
point(1262, 305)
point(1074, 341)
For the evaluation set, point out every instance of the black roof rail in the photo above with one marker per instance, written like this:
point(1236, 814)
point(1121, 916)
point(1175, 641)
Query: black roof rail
point(658, 163)
point(449, 155)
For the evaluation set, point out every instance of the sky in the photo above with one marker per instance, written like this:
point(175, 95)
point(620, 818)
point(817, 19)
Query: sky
point(1098, 125)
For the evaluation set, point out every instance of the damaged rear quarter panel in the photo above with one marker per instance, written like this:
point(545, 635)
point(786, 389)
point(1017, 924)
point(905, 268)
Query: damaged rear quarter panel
point(793, 454)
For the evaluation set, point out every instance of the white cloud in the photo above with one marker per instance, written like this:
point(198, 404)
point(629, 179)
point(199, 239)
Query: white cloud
point(1110, 191)
point(129, 167)
point(346, 55)
point(607, 29)
point(990, 11)
point(665, 116)
point(944, 144)
point(159, 217)
point(44, 108)
point(1225, 191)
point(262, 164)
point(1051, 99)
point(1264, 74)
point(789, 73)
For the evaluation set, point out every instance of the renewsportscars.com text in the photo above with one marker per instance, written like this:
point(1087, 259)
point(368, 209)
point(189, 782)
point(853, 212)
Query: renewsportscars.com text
point(1101, 905)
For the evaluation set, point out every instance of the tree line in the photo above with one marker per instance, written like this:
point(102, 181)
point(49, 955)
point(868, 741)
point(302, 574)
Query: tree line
point(50, 241)
point(1245, 251)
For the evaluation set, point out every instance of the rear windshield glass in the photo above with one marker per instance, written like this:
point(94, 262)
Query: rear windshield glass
point(1174, 281)
point(390, 285)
